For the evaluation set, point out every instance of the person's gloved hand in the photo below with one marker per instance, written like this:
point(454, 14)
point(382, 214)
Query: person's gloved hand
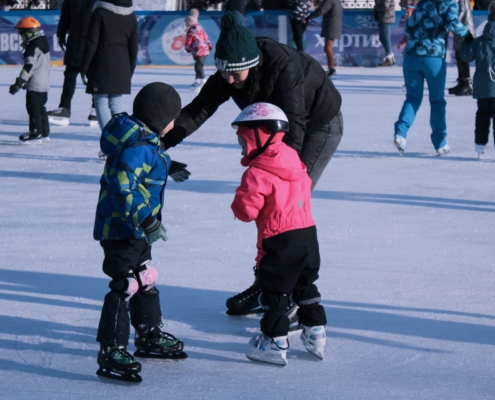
point(84, 76)
point(178, 171)
point(155, 231)
point(61, 42)
point(18, 85)
point(469, 37)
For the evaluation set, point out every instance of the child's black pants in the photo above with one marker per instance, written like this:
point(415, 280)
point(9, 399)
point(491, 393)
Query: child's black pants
point(198, 67)
point(122, 258)
point(484, 116)
point(38, 118)
point(291, 265)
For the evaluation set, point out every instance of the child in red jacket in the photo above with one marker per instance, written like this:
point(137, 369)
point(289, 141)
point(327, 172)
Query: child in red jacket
point(275, 191)
point(199, 45)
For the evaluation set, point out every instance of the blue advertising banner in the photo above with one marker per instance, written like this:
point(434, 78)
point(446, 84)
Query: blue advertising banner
point(161, 36)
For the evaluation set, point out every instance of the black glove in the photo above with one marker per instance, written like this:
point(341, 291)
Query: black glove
point(178, 171)
point(84, 77)
point(61, 42)
point(18, 85)
point(469, 38)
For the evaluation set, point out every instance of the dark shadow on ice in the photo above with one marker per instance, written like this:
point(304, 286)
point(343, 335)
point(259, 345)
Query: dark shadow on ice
point(88, 179)
point(419, 201)
point(47, 158)
point(215, 145)
point(395, 154)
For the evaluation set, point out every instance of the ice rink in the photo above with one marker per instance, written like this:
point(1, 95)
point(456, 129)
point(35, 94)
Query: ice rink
point(407, 248)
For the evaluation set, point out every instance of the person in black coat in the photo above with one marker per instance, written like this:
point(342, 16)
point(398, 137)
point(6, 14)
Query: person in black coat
point(74, 20)
point(110, 56)
point(262, 70)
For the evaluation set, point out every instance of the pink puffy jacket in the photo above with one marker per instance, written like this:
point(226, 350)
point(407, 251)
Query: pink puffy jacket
point(197, 41)
point(275, 190)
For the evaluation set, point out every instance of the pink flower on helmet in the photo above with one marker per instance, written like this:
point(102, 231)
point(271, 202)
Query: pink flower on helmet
point(259, 110)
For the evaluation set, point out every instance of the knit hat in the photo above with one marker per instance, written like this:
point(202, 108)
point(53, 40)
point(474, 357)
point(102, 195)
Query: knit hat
point(156, 105)
point(236, 48)
point(190, 20)
point(194, 13)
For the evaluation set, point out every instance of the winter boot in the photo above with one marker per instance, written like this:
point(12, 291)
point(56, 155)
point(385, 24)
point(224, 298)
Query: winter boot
point(464, 88)
point(314, 339)
point(270, 350)
point(400, 143)
point(30, 138)
point(443, 150)
point(480, 149)
point(245, 302)
point(157, 344)
point(331, 72)
point(116, 363)
point(60, 116)
point(93, 120)
point(454, 88)
point(387, 61)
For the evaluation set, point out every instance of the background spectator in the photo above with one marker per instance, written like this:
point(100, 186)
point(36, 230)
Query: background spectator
point(384, 13)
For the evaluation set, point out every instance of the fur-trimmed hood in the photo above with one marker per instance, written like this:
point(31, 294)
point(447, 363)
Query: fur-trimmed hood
point(121, 7)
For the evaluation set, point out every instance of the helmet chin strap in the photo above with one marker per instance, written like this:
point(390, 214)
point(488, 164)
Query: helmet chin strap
point(261, 148)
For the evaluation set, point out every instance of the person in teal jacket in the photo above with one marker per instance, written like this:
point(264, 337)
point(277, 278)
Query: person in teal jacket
point(482, 50)
point(424, 59)
point(128, 220)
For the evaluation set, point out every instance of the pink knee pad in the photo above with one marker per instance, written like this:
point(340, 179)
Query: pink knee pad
point(148, 275)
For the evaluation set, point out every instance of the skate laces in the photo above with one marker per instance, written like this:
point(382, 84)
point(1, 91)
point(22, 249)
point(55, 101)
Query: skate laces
point(164, 339)
point(253, 290)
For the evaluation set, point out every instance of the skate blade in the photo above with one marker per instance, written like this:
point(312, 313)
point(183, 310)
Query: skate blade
point(30, 142)
point(45, 139)
point(316, 354)
point(93, 124)
point(258, 360)
point(129, 378)
point(296, 328)
point(59, 121)
point(238, 314)
point(178, 355)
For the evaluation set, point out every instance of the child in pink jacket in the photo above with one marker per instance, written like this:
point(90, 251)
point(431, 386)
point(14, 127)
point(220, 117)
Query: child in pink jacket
point(275, 192)
point(198, 44)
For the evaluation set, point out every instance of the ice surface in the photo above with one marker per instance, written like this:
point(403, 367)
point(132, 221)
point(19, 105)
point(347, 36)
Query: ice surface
point(407, 251)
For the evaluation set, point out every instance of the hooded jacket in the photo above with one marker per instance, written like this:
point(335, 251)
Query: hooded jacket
point(482, 49)
point(197, 42)
point(111, 48)
point(133, 180)
point(275, 190)
point(36, 69)
point(290, 79)
point(428, 27)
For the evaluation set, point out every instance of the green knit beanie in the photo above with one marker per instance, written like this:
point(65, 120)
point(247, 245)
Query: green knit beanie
point(236, 48)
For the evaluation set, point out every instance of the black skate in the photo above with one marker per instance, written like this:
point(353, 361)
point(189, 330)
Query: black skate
point(246, 302)
point(93, 120)
point(158, 344)
point(463, 88)
point(60, 116)
point(116, 363)
point(30, 138)
point(291, 312)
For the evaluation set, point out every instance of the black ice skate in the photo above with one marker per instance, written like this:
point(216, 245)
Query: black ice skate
point(30, 138)
point(158, 344)
point(246, 302)
point(93, 121)
point(60, 116)
point(116, 363)
point(291, 312)
point(463, 88)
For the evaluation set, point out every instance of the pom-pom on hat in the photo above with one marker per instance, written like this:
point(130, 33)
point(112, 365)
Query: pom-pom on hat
point(236, 48)
point(156, 105)
point(194, 12)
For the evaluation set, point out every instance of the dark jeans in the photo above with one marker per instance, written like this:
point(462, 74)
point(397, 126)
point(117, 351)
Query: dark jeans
point(122, 259)
point(484, 116)
point(38, 118)
point(298, 28)
point(319, 147)
point(290, 265)
point(198, 67)
point(462, 67)
point(385, 32)
point(69, 87)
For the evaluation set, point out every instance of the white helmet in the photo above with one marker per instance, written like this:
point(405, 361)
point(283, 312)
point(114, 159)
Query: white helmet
point(263, 114)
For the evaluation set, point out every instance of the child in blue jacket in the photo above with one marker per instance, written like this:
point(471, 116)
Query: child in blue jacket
point(482, 49)
point(128, 221)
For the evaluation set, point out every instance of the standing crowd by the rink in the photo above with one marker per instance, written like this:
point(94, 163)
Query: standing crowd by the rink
point(289, 127)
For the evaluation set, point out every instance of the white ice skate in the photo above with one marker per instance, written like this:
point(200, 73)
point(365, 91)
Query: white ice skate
point(400, 143)
point(480, 149)
point(443, 150)
point(314, 339)
point(197, 84)
point(269, 350)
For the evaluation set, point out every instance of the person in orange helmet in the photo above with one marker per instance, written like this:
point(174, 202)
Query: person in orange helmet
point(34, 78)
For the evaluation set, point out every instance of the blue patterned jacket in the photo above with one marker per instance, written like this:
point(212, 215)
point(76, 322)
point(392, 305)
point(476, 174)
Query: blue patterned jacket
point(428, 27)
point(133, 179)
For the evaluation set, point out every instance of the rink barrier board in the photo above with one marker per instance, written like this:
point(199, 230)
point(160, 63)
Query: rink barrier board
point(161, 36)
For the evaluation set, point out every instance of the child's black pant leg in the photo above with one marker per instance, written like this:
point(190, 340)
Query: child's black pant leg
point(145, 309)
point(484, 116)
point(38, 117)
point(198, 67)
point(306, 294)
point(122, 258)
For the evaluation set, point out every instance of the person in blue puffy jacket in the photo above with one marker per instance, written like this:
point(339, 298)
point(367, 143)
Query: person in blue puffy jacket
point(424, 59)
point(128, 220)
